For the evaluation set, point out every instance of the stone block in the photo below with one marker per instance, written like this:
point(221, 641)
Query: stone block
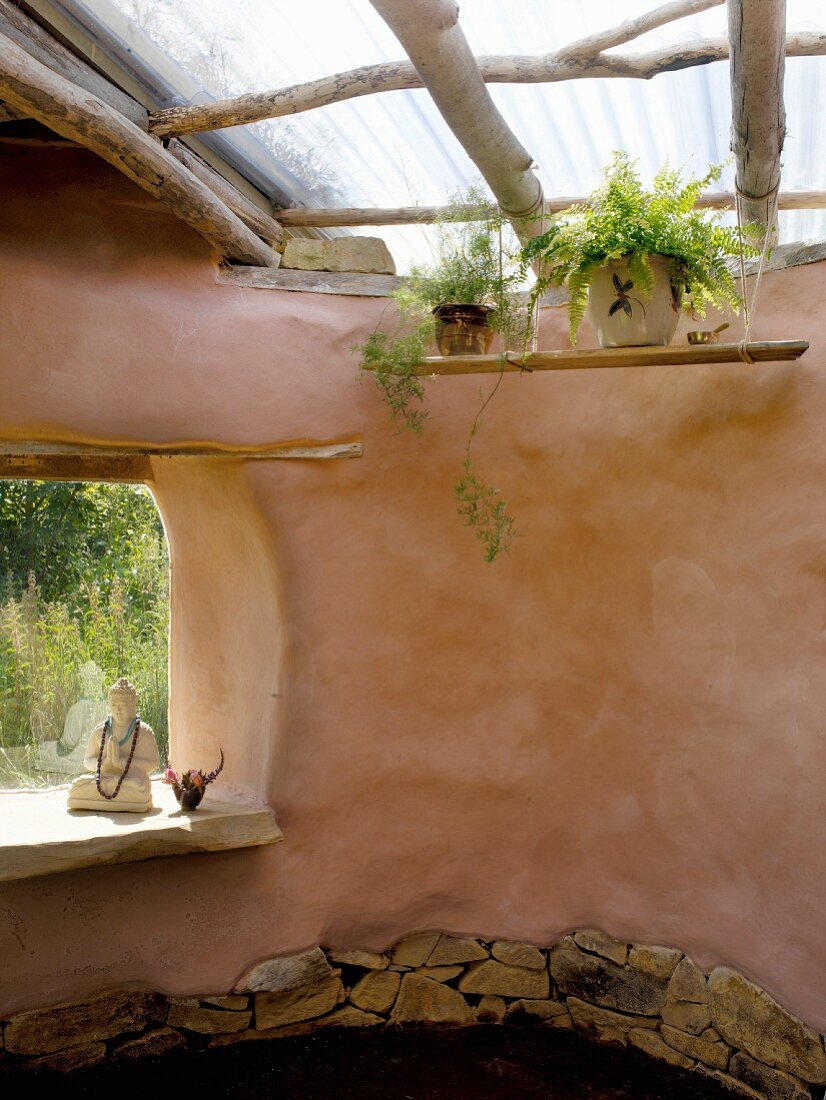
point(70, 1060)
point(367, 254)
point(774, 1084)
point(369, 960)
point(688, 983)
point(564, 1023)
point(602, 1024)
point(714, 1054)
point(285, 972)
point(502, 980)
point(490, 1010)
point(748, 1018)
point(414, 949)
point(235, 1002)
point(659, 962)
point(737, 1088)
point(192, 1016)
point(652, 1044)
point(152, 1044)
point(687, 1016)
point(440, 973)
point(591, 939)
point(291, 1006)
point(596, 979)
point(44, 1030)
point(519, 954)
point(345, 1017)
point(423, 1001)
point(376, 991)
point(535, 1012)
point(456, 949)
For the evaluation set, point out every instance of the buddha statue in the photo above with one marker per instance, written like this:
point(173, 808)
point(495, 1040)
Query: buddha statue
point(121, 753)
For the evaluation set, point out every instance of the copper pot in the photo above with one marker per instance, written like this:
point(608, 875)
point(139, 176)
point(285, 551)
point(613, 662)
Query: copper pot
point(463, 328)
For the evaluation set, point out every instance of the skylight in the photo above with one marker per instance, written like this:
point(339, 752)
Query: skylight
point(394, 149)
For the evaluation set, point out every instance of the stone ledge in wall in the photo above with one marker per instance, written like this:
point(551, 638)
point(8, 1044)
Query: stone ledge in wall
point(39, 836)
point(652, 998)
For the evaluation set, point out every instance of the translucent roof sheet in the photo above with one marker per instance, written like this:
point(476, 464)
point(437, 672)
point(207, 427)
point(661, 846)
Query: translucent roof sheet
point(393, 149)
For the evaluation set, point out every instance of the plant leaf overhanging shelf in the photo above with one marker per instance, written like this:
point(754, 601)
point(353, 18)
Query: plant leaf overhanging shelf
point(672, 355)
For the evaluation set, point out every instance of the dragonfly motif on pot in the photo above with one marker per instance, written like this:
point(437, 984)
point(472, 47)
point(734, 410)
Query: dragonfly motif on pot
point(624, 301)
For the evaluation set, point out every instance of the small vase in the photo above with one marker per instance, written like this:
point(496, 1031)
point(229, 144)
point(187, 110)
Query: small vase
point(463, 329)
point(189, 799)
point(623, 316)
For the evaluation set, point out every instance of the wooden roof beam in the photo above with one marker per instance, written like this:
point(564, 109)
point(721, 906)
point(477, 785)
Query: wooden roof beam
point(29, 86)
point(394, 76)
point(757, 33)
point(391, 76)
point(430, 33)
point(306, 216)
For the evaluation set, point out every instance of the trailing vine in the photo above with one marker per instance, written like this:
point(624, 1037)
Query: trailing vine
point(475, 264)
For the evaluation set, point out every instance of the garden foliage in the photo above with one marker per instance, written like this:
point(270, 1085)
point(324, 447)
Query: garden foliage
point(85, 577)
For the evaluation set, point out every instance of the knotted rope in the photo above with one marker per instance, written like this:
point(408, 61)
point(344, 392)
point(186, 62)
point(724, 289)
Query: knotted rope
point(749, 309)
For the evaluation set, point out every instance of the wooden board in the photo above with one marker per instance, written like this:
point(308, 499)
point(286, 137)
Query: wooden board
point(43, 46)
point(673, 355)
point(131, 462)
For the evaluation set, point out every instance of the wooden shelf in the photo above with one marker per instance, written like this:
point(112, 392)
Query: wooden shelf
point(672, 355)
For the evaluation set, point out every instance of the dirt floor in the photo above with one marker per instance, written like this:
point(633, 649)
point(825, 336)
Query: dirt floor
point(483, 1063)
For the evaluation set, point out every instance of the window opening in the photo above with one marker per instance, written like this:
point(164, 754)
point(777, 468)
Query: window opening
point(84, 599)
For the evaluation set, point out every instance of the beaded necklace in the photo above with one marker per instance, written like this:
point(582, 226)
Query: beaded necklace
point(107, 728)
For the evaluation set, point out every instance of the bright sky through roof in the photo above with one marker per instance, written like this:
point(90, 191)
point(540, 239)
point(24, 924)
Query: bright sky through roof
point(393, 149)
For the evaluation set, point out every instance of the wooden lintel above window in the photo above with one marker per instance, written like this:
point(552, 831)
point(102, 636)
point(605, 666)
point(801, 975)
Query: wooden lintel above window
point(51, 461)
point(73, 467)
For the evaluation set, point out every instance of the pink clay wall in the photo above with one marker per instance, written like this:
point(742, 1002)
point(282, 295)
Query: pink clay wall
point(619, 724)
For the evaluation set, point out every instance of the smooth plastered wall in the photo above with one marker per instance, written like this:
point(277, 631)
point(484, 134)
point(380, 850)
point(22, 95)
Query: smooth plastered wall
point(619, 724)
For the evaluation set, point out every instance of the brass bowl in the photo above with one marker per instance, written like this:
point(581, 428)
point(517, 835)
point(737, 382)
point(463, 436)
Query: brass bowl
point(701, 337)
point(706, 336)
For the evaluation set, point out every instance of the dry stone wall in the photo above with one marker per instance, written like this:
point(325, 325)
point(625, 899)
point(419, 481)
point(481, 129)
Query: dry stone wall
point(653, 998)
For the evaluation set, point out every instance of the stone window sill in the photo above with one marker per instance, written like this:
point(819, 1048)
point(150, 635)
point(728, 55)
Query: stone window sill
point(39, 836)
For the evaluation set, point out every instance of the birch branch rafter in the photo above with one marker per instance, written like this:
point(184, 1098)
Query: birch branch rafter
point(393, 76)
point(432, 38)
point(757, 32)
point(31, 87)
point(256, 219)
point(633, 28)
point(304, 217)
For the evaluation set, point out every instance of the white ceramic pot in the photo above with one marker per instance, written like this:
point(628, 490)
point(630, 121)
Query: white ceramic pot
point(623, 317)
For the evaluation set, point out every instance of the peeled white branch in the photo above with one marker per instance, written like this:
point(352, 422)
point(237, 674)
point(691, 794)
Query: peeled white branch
point(430, 33)
point(757, 32)
point(391, 76)
point(633, 28)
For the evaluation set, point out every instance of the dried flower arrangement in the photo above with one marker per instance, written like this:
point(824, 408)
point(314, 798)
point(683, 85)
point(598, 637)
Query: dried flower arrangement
point(190, 786)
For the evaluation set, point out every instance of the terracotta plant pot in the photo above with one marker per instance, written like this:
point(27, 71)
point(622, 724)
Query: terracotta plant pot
point(463, 329)
point(623, 317)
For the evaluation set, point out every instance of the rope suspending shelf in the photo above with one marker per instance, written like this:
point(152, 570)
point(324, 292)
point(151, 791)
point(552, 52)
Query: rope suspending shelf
point(671, 355)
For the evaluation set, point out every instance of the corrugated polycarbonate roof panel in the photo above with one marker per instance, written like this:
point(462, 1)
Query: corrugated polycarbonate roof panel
point(394, 149)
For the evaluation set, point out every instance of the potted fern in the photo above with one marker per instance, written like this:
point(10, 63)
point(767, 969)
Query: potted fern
point(635, 257)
